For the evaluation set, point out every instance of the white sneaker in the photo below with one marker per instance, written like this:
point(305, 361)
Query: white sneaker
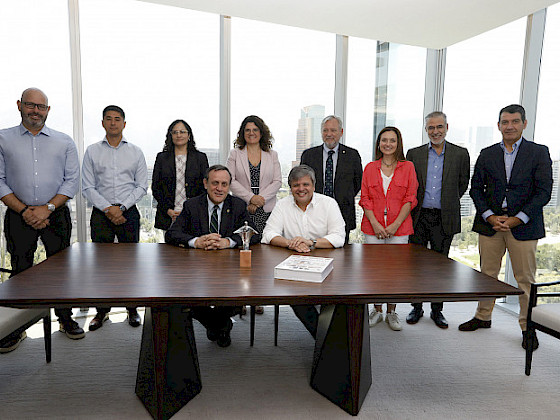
point(375, 317)
point(393, 320)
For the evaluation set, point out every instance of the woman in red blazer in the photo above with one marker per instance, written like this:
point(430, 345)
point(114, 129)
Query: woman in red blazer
point(388, 195)
point(255, 171)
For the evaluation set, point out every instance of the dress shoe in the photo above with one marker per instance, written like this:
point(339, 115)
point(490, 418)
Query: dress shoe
point(133, 318)
point(439, 319)
point(97, 321)
point(474, 324)
point(525, 341)
point(212, 335)
point(11, 342)
point(71, 328)
point(414, 316)
point(224, 338)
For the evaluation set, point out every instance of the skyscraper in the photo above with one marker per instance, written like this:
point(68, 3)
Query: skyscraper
point(309, 129)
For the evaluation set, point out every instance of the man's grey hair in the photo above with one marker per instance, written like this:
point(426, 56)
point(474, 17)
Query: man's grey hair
point(32, 89)
point(435, 114)
point(299, 172)
point(331, 117)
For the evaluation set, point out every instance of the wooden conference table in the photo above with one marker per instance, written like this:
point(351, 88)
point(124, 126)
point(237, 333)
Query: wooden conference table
point(166, 279)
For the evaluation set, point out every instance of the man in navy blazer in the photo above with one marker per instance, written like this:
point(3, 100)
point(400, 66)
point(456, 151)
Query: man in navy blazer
point(208, 222)
point(346, 165)
point(511, 184)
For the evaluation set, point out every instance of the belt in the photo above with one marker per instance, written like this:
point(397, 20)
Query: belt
point(431, 210)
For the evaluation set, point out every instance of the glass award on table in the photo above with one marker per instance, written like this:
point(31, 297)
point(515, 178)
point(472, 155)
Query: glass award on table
point(245, 232)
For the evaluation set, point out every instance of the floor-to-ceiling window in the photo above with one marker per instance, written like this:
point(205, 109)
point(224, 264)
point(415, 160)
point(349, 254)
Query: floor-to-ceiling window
point(160, 64)
point(482, 75)
point(548, 251)
point(405, 92)
point(285, 76)
point(34, 49)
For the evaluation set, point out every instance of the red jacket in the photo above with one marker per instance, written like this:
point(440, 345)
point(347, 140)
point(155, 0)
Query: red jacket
point(402, 189)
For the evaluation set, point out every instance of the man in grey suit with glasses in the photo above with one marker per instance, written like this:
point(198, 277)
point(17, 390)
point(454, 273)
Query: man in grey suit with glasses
point(442, 169)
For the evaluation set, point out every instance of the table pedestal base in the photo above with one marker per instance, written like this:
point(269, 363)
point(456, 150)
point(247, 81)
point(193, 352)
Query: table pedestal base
point(168, 373)
point(341, 363)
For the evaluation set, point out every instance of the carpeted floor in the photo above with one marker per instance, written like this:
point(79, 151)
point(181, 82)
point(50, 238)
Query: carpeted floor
point(421, 372)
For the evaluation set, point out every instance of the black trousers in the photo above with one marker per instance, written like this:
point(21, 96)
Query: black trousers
point(215, 318)
point(429, 230)
point(104, 231)
point(22, 240)
point(309, 317)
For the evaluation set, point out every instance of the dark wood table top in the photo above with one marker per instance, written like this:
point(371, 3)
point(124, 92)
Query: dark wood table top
point(88, 274)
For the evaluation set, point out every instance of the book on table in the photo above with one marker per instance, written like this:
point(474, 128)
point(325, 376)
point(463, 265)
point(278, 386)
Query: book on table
point(304, 268)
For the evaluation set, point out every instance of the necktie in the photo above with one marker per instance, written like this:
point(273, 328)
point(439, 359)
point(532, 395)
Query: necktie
point(329, 185)
point(214, 220)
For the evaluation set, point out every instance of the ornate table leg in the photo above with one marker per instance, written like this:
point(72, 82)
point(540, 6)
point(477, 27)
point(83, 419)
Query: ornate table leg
point(168, 373)
point(341, 364)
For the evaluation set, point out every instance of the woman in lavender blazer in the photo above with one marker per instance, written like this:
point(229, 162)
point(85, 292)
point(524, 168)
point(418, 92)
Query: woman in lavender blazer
point(255, 170)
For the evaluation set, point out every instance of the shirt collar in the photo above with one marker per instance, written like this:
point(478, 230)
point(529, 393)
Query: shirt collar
point(123, 140)
point(45, 130)
point(334, 149)
point(311, 203)
point(514, 147)
point(432, 147)
point(211, 204)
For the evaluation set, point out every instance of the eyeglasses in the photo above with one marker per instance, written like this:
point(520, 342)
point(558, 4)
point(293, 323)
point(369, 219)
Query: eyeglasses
point(432, 128)
point(32, 105)
point(176, 132)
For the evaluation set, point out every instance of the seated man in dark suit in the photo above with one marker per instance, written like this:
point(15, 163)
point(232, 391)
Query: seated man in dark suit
point(208, 222)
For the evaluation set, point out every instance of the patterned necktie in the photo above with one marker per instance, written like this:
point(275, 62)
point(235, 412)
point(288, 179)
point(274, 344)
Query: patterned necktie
point(329, 185)
point(214, 220)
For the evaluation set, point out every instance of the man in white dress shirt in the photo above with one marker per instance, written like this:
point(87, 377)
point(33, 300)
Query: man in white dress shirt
point(303, 221)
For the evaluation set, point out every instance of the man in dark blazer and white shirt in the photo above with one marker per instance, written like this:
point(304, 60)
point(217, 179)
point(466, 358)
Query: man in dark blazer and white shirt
point(511, 184)
point(347, 169)
point(208, 222)
point(443, 171)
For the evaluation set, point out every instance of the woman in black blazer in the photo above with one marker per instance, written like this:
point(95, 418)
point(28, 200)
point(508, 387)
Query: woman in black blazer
point(179, 161)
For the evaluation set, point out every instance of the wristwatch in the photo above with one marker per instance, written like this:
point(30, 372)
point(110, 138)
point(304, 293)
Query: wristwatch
point(123, 208)
point(314, 244)
point(51, 207)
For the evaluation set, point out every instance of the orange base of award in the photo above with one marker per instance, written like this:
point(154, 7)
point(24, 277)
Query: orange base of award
point(245, 258)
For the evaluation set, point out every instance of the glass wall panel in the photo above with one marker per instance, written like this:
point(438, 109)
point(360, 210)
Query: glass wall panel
point(358, 132)
point(483, 74)
point(34, 46)
point(284, 75)
point(548, 251)
point(405, 92)
point(159, 63)
point(385, 87)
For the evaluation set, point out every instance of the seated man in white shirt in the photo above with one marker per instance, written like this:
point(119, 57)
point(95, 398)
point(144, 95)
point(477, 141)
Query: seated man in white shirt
point(303, 221)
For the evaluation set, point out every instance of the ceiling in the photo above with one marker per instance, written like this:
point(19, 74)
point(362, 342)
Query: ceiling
point(425, 23)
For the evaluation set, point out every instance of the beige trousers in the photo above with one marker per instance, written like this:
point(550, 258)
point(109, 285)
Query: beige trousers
point(523, 262)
